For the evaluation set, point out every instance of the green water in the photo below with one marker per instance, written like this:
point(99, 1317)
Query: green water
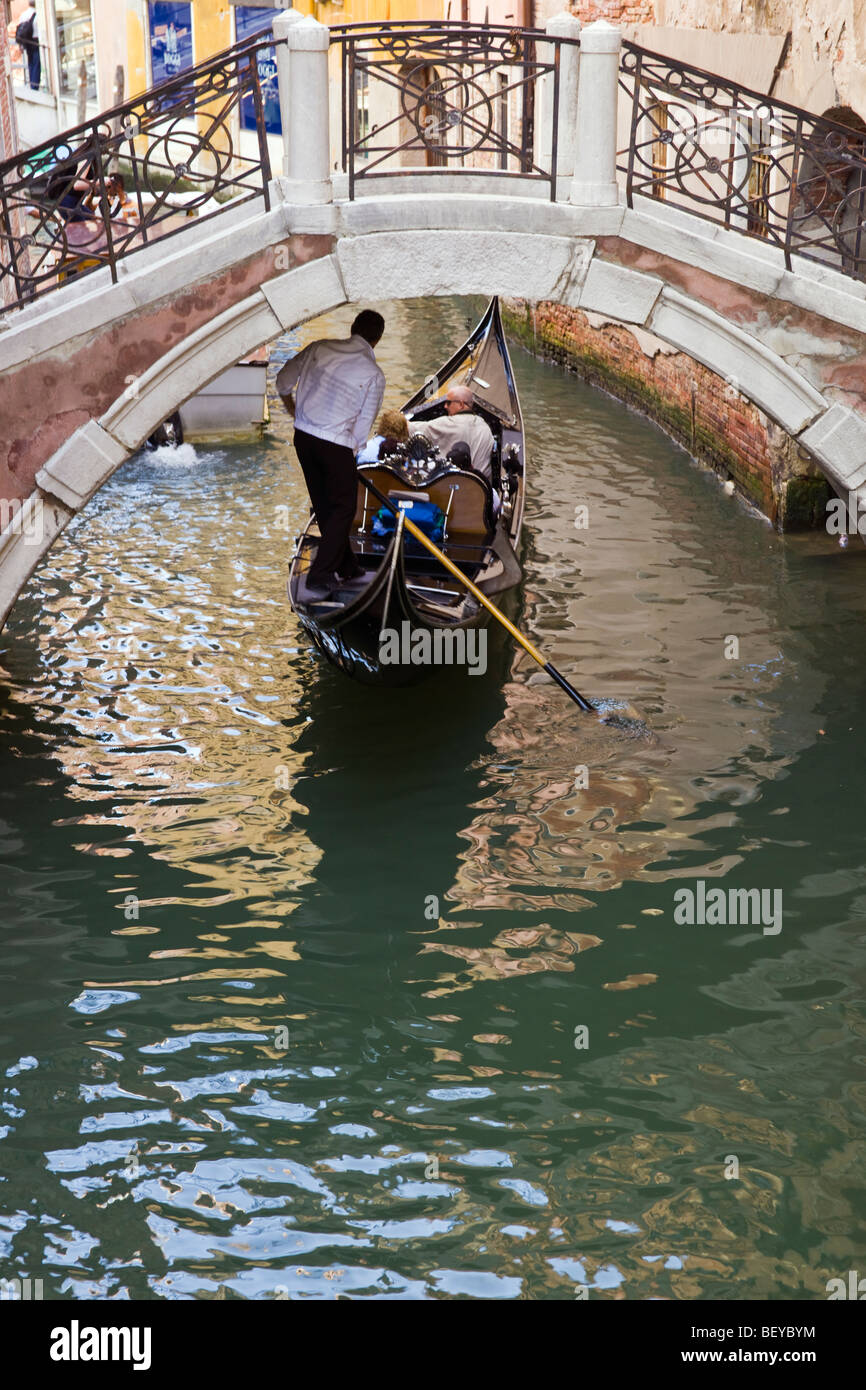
point(295, 972)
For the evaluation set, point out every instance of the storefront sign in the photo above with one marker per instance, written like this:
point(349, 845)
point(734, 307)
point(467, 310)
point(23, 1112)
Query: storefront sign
point(170, 39)
point(252, 20)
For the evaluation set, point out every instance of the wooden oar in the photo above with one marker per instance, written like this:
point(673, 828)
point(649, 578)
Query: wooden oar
point(482, 599)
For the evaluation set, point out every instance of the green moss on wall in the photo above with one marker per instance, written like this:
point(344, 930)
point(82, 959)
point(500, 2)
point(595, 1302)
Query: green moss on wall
point(702, 441)
point(806, 502)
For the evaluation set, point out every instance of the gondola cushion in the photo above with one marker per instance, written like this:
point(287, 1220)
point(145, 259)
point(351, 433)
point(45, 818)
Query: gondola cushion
point(426, 515)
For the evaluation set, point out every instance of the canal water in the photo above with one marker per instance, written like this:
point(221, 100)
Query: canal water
point(312, 990)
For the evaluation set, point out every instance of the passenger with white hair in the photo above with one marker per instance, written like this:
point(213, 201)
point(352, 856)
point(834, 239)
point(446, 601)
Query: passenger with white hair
point(460, 426)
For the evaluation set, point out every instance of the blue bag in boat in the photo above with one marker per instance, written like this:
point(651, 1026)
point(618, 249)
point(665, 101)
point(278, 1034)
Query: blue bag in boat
point(426, 515)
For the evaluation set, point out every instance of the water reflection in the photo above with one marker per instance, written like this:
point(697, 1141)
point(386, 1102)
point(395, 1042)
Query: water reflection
point(295, 970)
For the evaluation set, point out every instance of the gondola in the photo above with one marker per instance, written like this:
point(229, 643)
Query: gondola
point(408, 593)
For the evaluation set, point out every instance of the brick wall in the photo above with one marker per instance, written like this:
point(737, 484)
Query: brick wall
point(8, 124)
point(699, 409)
point(614, 11)
point(8, 128)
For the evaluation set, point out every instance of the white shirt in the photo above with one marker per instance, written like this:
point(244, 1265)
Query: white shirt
point(447, 430)
point(338, 389)
point(25, 15)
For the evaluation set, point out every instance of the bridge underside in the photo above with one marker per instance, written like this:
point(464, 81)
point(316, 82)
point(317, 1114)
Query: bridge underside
point(89, 373)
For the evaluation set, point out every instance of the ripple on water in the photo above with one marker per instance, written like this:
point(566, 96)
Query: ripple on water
point(312, 990)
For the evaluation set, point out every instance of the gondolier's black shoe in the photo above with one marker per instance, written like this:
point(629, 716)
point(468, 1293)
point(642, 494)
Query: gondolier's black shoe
point(311, 592)
point(355, 581)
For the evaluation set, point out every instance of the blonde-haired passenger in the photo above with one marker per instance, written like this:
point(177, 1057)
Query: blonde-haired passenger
point(392, 433)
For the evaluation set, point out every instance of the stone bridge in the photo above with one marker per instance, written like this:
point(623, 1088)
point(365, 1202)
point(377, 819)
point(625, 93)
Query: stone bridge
point(541, 209)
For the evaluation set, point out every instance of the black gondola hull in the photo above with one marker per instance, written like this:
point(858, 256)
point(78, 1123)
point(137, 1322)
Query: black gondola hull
point(382, 637)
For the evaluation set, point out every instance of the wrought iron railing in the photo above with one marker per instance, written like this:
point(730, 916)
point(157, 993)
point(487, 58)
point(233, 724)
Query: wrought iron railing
point(94, 195)
point(746, 160)
point(454, 96)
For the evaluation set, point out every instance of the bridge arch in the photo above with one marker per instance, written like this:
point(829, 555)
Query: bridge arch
point(734, 277)
point(389, 263)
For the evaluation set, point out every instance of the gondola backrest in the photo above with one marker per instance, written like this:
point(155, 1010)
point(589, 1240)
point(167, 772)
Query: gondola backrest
point(467, 501)
point(465, 498)
point(387, 480)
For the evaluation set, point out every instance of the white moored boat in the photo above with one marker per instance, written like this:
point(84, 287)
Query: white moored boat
point(234, 404)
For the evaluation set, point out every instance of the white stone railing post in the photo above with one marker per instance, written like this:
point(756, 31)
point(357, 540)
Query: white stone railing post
point(565, 26)
point(282, 24)
point(594, 183)
point(304, 103)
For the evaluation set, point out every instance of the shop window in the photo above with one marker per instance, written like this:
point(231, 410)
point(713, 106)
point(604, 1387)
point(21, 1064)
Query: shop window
point(170, 39)
point(250, 21)
point(75, 46)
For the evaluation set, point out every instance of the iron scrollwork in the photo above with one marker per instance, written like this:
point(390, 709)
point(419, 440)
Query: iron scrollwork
point(455, 96)
point(89, 197)
point(758, 165)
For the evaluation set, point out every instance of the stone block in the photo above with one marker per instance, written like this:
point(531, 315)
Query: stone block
point(22, 546)
point(386, 265)
point(305, 291)
point(827, 292)
point(838, 441)
point(684, 237)
point(158, 272)
point(627, 295)
point(81, 466)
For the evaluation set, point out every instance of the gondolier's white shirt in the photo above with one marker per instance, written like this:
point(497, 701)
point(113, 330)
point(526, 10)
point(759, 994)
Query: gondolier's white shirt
point(339, 389)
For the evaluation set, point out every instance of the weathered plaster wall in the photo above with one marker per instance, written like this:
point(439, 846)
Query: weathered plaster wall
point(827, 61)
point(43, 401)
point(825, 65)
point(831, 357)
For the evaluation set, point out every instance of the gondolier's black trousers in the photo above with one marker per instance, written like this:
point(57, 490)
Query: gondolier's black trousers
point(331, 476)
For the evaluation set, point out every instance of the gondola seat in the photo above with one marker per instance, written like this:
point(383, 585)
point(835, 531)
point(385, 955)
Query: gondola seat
point(387, 480)
point(466, 499)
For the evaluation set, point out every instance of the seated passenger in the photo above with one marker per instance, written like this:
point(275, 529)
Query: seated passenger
point(461, 426)
point(393, 432)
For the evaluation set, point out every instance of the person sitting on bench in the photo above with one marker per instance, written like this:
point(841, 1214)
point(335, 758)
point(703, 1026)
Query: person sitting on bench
point(392, 434)
point(461, 426)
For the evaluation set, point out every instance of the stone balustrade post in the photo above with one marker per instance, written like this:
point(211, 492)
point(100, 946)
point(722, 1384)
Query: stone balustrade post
point(564, 26)
point(594, 183)
point(302, 58)
point(282, 24)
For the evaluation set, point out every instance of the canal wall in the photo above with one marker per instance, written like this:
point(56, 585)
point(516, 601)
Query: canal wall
point(701, 410)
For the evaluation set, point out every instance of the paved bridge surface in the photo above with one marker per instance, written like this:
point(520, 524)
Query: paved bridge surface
point(418, 160)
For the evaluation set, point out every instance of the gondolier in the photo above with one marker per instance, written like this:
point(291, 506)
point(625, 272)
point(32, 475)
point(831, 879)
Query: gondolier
point(338, 390)
point(451, 506)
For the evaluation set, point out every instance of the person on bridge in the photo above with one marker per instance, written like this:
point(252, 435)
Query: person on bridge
point(338, 388)
point(461, 434)
point(27, 39)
